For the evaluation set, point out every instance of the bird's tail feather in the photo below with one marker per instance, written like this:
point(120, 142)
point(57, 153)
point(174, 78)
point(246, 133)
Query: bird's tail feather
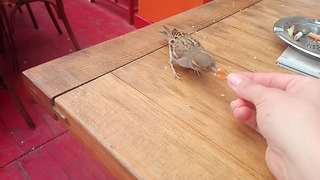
point(167, 33)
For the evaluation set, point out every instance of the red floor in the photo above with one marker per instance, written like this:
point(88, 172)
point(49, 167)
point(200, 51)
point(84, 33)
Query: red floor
point(50, 151)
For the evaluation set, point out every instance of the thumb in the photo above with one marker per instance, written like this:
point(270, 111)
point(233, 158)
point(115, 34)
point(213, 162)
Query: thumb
point(247, 89)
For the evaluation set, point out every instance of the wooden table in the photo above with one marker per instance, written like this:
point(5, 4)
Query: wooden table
point(120, 99)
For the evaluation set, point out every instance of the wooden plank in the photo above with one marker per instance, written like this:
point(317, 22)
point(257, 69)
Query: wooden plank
point(9, 150)
point(310, 4)
point(260, 18)
point(75, 161)
point(242, 48)
point(202, 102)
point(145, 138)
point(197, 95)
point(149, 78)
point(56, 77)
point(193, 98)
point(35, 165)
point(12, 171)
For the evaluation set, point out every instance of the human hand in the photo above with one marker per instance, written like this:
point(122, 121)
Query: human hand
point(285, 110)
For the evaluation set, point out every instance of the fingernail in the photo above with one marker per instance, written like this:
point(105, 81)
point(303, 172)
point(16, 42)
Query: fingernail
point(232, 102)
point(234, 112)
point(235, 79)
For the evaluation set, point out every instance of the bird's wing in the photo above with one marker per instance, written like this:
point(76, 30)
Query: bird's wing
point(182, 44)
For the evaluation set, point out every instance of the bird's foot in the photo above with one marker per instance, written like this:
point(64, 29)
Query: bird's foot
point(176, 75)
point(198, 72)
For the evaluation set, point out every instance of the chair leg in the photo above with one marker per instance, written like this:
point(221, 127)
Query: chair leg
point(13, 15)
point(18, 103)
point(20, 10)
point(66, 24)
point(8, 34)
point(1, 38)
point(54, 20)
point(35, 24)
point(20, 107)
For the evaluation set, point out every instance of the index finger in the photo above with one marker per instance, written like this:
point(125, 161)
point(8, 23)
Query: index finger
point(273, 80)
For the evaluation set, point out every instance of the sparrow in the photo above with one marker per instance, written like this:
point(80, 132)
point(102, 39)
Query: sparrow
point(187, 52)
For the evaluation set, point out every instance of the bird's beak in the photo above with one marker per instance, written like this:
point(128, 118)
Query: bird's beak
point(214, 69)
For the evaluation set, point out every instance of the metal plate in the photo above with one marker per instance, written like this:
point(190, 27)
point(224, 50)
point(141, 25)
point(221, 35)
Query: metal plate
point(300, 23)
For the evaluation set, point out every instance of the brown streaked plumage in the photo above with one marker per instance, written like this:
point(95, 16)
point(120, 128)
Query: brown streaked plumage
point(187, 52)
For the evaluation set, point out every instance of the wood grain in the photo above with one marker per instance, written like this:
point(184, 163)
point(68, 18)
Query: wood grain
point(239, 47)
point(192, 99)
point(65, 73)
point(148, 140)
point(202, 102)
point(260, 18)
